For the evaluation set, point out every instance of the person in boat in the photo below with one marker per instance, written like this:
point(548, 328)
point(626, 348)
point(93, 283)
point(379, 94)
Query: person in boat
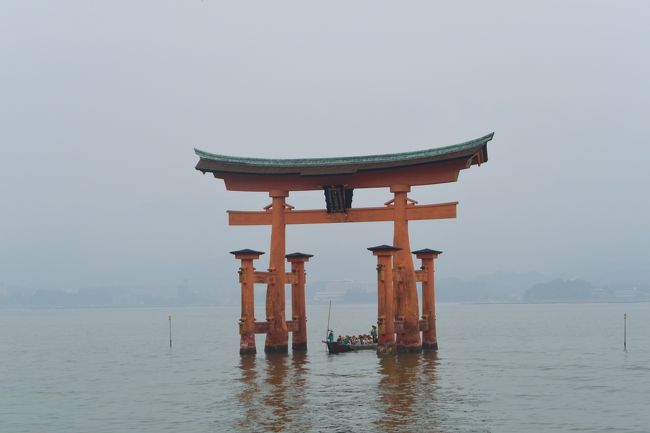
point(373, 333)
point(330, 336)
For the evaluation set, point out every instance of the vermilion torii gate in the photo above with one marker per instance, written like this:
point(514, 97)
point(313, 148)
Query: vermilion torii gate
point(398, 310)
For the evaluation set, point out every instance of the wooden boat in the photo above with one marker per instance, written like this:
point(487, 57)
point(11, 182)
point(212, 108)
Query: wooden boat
point(335, 347)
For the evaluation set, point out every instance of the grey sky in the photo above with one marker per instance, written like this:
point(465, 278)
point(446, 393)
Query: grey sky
point(102, 103)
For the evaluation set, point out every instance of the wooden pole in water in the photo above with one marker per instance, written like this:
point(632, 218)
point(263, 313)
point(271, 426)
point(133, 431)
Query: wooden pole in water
point(624, 331)
point(277, 334)
point(385, 298)
point(247, 282)
point(405, 290)
point(170, 331)
point(298, 312)
point(328, 321)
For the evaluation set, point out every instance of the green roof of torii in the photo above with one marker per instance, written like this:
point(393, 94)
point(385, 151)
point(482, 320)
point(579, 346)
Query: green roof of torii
point(216, 162)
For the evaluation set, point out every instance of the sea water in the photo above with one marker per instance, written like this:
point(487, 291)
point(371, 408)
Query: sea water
point(500, 368)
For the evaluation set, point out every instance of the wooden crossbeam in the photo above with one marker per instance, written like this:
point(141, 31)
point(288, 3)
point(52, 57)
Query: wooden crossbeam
point(265, 277)
point(263, 327)
point(355, 215)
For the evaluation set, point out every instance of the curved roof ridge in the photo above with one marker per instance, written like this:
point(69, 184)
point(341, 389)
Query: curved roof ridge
point(380, 158)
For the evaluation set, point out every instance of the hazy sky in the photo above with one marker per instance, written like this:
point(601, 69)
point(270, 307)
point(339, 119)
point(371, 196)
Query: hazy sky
point(101, 104)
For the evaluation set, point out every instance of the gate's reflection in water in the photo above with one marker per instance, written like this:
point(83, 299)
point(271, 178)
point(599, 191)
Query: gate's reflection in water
point(273, 392)
point(406, 393)
point(279, 393)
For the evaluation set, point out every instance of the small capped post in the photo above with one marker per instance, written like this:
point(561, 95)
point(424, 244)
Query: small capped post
point(298, 308)
point(247, 281)
point(385, 297)
point(429, 337)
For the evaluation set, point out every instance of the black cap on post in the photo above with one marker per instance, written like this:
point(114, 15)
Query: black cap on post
point(247, 252)
point(426, 251)
point(298, 256)
point(383, 248)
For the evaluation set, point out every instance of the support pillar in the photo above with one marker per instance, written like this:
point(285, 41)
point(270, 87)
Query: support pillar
point(385, 298)
point(429, 337)
point(408, 335)
point(247, 281)
point(277, 336)
point(298, 310)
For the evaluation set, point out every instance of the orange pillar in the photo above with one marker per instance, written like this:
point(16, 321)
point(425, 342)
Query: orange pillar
point(429, 338)
point(298, 310)
point(385, 297)
point(277, 336)
point(247, 281)
point(406, 291)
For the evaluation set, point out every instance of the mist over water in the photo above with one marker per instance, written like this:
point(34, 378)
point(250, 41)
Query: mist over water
point(500, 368)
point(102, 104)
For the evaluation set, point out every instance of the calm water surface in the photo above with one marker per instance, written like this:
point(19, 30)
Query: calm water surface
point(500, 368)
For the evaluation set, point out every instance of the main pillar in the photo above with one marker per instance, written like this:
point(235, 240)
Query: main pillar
point(429, 338)
point(298, 310)
point(408, 332)
point(277, 336)
point(247, 281)
point(385, 297)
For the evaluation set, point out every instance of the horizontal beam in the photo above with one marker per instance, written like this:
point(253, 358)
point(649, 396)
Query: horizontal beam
point(263, 327)
point(421, 276)
point(265, 277)
point(355, 215)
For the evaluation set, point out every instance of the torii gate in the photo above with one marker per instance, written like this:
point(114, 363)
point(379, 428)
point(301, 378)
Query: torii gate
point(398, 308)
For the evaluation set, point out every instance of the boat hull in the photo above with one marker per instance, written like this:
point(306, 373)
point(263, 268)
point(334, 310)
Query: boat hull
point(335, 348)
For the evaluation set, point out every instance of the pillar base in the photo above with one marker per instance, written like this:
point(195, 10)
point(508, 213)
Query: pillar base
point(247, 350)
point(408, 349)
point(429, 346)
point(387, 349)
point(283, 348)
point(299, 346)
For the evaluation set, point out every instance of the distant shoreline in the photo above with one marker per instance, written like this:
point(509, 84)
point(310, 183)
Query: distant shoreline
point(179, 306)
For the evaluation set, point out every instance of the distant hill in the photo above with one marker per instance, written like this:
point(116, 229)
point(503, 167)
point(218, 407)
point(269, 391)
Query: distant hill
point(575, 290)
point(563, 290)
point(501, 287)
point(117, 297)
point(497, 287)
